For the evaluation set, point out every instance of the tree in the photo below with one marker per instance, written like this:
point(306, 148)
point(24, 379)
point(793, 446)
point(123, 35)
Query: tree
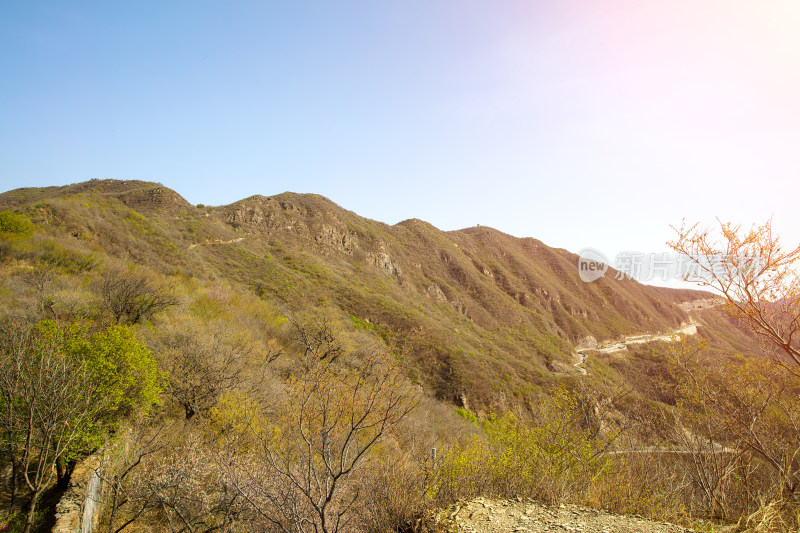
point(742, 410)
point(757, 279)
point(297, 476)
point(716, 463)
point(137, 443)
point(317, 337)
point(756, 402)
point(42, 279)
point(16, 340)
point(206, 360)
point(131, 297)
point(167, 477)
point(61, 389)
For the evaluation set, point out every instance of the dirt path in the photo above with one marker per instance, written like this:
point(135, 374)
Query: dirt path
point(674, 336)
point(581, 352)
point(518, 516)
point(580, 358)
point(216, 241)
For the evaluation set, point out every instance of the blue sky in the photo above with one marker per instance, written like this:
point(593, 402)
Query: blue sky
point(579, 123)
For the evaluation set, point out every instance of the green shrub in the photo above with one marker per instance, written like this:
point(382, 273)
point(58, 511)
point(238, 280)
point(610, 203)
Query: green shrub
point(72, 261)
point(469, 416)
point(549, 457)
point(15, 223)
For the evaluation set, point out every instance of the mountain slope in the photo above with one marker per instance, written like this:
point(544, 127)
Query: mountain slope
point(482, 316)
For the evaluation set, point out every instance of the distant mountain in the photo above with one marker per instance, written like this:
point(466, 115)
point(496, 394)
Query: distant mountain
point(481, 316)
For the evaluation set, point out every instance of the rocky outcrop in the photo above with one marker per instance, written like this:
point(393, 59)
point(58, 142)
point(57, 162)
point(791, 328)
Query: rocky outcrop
point(517, 516)
point(262, 214)
point(586, 343)
point(460, 307)
point(436, 293)
point(385, 263)
point(78, 509)
point(158, 197)
point(336, 238)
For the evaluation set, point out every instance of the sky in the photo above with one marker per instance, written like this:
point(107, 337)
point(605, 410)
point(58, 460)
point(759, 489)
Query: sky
point(583, 123)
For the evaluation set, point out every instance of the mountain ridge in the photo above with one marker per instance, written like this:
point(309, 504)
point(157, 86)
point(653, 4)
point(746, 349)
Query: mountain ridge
point(482, 314)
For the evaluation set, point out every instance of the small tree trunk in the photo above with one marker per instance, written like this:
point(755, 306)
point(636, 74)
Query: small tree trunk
point(12, 457)
point(114, 497)
point(63, 473)
point(13, 487)
point(31, 512)
point(13, 481)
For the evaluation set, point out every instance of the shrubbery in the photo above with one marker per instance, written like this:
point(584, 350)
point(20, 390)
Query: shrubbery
point(15, 224)
point(61, 391)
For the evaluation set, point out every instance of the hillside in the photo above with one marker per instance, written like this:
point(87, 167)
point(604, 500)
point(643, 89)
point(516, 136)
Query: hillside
point(409, 368)
point(482, 316)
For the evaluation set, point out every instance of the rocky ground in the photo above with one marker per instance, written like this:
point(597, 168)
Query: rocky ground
point(520, 516)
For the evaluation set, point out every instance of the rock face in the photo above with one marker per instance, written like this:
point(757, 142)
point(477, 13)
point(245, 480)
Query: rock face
point(587, 343)
point(77, 509)
point(435, 292)
point(336, 238)
point(151, 198)
point(385, 263)
point(315, 221)
point(503, 516)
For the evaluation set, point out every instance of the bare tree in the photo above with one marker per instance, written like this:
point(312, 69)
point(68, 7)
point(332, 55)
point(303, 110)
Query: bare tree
point(137, 443)
point(206, 360)
point(691, 429)
point(131, 297)
point(757, 279)
point(758, 405)
point(756, 402)
point(317, 337)
point(42, 279)
point(298, 475)
point(16, 340)
point(166, 476)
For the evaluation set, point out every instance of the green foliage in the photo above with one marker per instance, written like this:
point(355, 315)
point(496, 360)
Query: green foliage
point(72, 261)
point(118, 376)
point(125, 369)
point(549, 457)
point(15, 523)
point(97, 380)
point(469, 416)
point(207, 307)
point(362, 324)
point(16, 224)
point(61, 390)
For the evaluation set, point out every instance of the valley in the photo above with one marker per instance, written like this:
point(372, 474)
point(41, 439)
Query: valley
point(406, 368)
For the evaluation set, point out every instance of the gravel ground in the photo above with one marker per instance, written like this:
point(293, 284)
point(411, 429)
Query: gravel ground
point(520, 516)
